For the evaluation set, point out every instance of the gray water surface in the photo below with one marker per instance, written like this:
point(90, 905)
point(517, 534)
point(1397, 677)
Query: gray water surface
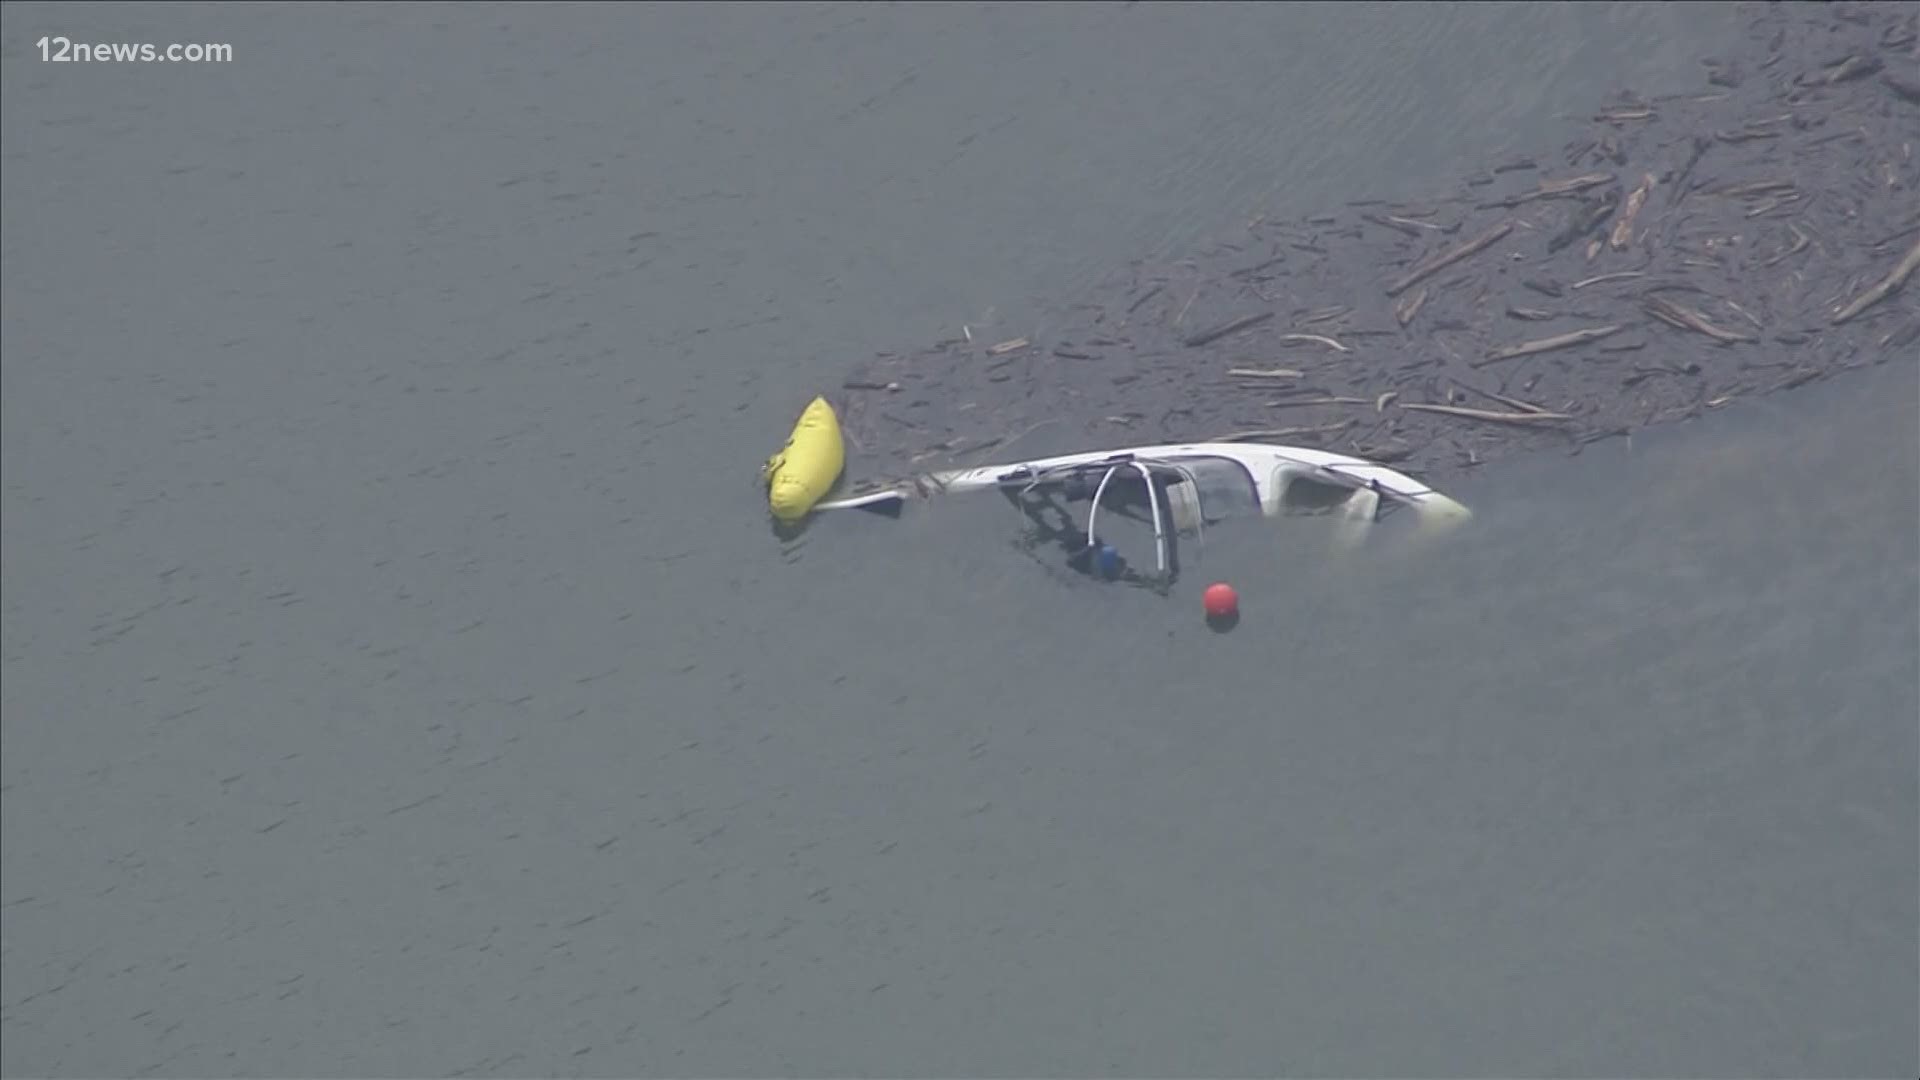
point(400, 678)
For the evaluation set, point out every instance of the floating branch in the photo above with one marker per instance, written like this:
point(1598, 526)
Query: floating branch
point(1524, 406)
point(1623, 229)
point(1688, 319)
point(1553, 189)
point(1206, 337)
point(1400, 225)
point(1447, 258)
point(1618, 275)
point(1324, 314)
point(1405, 308)
point(1684, 182)
point(1316, 339)
point(1144, 297)
point(1887, 287)
point(1489, 415)
point(1799, 245)
point(1282, 433)
point(1250, 271)
point(1753, 190)
point(1295, 403)
point(1853, 67)
point(1548, 344)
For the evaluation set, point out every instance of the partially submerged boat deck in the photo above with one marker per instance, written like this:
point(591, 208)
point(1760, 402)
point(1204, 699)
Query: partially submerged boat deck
point(1179, 491)
point(1683, 253)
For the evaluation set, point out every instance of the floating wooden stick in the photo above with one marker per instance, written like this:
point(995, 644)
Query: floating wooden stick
point(1623, 229)
point(1405, 308)
point(1887, 287)
point(1684, 182)
point(1745, 314)
point(1547, 344)
point(1317, 339)
point(1007, 346)
point(1250, 271)
point(1256, 373)
point(1773, 204)
point(1799, 245)
point(1207, 336)
point(1294, 403)
point(1553, 189)
point(1746, 134)
point(1752, 190)
point(1182, 317)
point(1432, 266)
point(1324, 314)
point(1615, 116)
point(1281, 433)
point(1489, 415)
point(1144, 297)
point(1523, 406)
point(1901, 337)
point(1688, 319)
point(1618, 275)
point(1398, 225)
point(1853, 67)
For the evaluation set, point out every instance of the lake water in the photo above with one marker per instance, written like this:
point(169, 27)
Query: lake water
point(400, 677)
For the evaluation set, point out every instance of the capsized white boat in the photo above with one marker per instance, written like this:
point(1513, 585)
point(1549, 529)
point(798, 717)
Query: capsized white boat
point(1188, 486)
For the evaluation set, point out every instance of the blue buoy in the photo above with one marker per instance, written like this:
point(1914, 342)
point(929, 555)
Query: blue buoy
point(1108, 561)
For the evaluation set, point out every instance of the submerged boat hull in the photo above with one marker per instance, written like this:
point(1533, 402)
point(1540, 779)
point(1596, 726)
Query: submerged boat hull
point(1185, 487)
point(1270, 467)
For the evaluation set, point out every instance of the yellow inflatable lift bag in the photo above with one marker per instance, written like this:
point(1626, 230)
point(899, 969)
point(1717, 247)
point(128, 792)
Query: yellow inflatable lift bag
point(805, 469)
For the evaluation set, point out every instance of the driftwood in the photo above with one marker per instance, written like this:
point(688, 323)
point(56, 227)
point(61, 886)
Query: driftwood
point(1269, 434)
point(1317, 339)
point(1554, 189)
point(1206, 337)
point(1528, 417)
point(1557, 341)
point(1407, 307)
point(1622, 233)
point(1447, 258)
point(1759, 233)
point(1886, 287)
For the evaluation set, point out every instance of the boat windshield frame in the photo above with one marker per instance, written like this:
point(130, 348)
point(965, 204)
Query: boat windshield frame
point(1197, 468)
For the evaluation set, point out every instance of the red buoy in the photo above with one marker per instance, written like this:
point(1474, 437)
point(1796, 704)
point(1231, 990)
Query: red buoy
point(1221, 601)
